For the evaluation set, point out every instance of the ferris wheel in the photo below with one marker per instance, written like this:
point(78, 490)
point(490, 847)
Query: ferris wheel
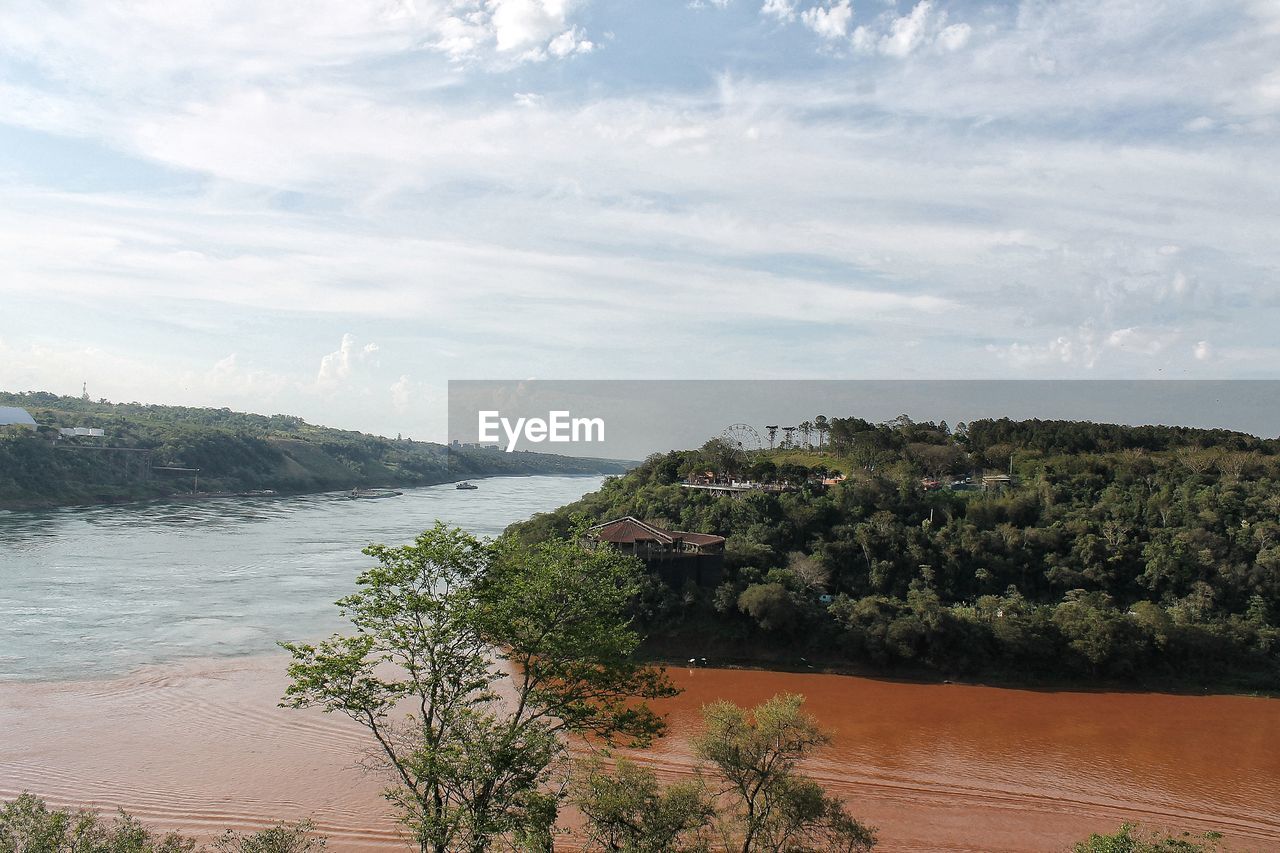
point(741, 437)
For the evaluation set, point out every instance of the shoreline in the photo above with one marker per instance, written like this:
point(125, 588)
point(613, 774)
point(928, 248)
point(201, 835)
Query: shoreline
point(745, 665)
point(925, 677)
point(189, 497)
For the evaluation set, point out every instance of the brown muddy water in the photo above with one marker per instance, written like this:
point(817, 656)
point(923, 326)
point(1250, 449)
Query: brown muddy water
point(201, 746)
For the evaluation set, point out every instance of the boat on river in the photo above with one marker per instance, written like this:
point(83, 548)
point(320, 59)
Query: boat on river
point(465, 485)
point(356, 494)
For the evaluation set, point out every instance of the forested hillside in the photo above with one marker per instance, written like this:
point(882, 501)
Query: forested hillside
point(1117, 553)
point(234, 451)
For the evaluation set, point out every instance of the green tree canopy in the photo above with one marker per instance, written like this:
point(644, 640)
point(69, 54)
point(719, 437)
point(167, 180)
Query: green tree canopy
point(467, 663)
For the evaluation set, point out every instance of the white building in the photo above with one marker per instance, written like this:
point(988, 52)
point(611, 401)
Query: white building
point(72, 432)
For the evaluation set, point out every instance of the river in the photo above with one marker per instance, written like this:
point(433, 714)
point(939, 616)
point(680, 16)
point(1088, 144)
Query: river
point(139, 669)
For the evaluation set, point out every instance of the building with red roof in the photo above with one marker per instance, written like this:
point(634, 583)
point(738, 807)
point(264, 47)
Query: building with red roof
point(675, 555)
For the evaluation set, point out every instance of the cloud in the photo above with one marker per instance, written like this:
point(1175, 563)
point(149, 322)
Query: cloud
point(1147, 342)
point(117, 374)
point(1203, 351)
point(1084, 347)
point(782, 10)
point(220, 43)
point(338, 366)
point(569, 42)
point(830, 22)
point(522, 25)
point(907, 32)
point(228, 377)
point(954, 37)
point(1030, 202)
point(887, 34)
point(402, 393)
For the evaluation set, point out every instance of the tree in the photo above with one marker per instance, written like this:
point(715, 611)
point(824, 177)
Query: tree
point(629, 812)
point(723, 458)
point(822, 427)
point(809, 570)
point(770, 604)
point(27, 825)
point(776, 809)
point(1132, 840)
point(472, 760)
point(936, 460)
point(280, 838)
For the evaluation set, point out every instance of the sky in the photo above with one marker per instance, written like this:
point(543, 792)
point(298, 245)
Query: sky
point(331, 208)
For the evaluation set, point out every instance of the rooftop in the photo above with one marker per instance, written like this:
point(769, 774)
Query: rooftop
point(628, 530)
point(11, 415)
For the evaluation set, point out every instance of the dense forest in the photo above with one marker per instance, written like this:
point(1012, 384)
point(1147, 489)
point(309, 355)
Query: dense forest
point(1113, 553)
point(144, 448)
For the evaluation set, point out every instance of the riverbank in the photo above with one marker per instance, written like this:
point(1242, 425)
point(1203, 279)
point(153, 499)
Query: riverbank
point(145, 452)
point(143, 496)
point(935, 767)
point(677, 650)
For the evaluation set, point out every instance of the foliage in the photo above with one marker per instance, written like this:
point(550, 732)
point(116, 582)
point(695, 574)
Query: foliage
point(1129, 839)
point(628, 811)
point(475, 760)
point(235, 451)
point(774, 808)
point(280, 838)
point(763, 805)
point(27, 825)
point(771, 605)
point(1117, 552)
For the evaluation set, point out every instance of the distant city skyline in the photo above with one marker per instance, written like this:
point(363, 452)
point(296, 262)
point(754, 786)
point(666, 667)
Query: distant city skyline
point(332, 208)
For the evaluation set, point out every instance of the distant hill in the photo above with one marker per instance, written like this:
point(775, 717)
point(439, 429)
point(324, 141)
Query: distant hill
point(144, 447)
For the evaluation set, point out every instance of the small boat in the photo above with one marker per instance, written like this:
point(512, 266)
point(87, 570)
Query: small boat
point(465, 485)
point(374, 493)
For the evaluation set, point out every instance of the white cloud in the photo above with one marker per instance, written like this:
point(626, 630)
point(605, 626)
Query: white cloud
point(954, 37)
point(1147, 342)
point(524, 24)
point(569, 42)
point(907, 32)
point(783, 10)
point(178, 48)
point(863, 40)
point(402, 393)
point(338, 366)
point(229, 377)
point(1203, 351)
point(669, 135)
point(830, 22)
